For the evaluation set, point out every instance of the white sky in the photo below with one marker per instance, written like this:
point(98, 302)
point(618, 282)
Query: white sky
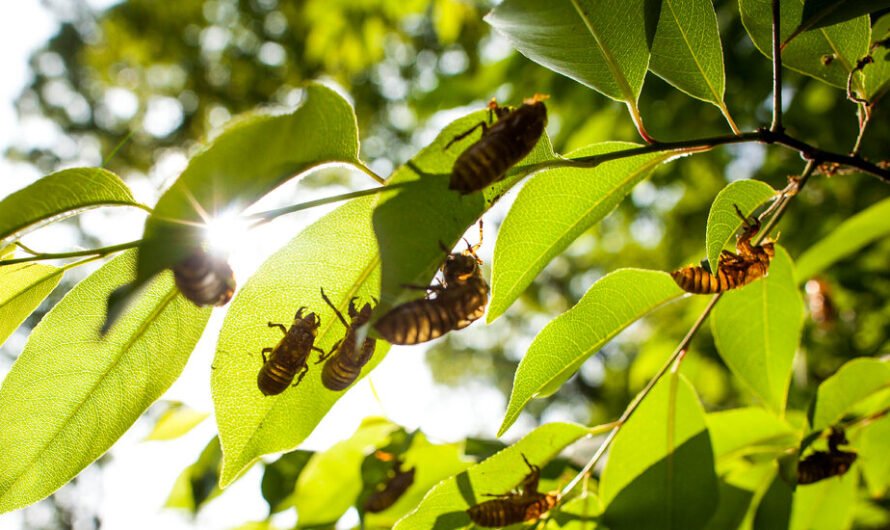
point(131, 491)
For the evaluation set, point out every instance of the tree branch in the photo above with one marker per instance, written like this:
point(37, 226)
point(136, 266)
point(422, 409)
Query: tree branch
point(777, 70)
point(97, 252)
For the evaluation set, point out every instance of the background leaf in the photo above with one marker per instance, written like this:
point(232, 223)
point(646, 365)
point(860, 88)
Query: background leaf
point(822, 13)
point(253, 155)
point(97, 386)
point(825, 505)
point(846, 43)
point(686, 51)
point(660, 471)
point(444, 507)
point(853, 383)
point(177, 420)
point(339, 253)
point(553, 209)
point(723, 222)
point(877, 74)
point(410, 249)
point(198, 484)
point(332, 479)
point(601, 44)
point(610, 305)
point(739, 492)
point(59, 195)
point(873, 446)
point(280, 479)
point(22, 287)
point(844, 239)
point(737, 431)
point(757, 329)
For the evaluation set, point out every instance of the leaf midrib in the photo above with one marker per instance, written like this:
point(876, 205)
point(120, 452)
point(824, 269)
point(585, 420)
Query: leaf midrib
point(698, 65)
point(614, 68)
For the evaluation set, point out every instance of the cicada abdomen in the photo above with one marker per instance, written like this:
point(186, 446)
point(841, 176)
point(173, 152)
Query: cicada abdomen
point(820, 465)
point(502, 145)
point(289, 356)
point(346, 358)
point(526, 505)
point(391, 490)
point(205, 279)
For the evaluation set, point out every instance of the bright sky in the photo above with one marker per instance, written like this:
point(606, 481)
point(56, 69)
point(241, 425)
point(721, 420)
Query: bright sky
point(131, 491)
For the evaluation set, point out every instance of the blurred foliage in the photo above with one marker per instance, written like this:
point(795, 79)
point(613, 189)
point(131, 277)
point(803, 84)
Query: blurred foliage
point(158, 76)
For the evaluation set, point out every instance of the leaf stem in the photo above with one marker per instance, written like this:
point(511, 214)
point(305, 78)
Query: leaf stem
point(777, 70)
point(632, 407)
point(358, 164)
point(95, 252)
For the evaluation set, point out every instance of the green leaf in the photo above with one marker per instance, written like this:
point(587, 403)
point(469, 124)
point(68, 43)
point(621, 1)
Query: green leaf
point(854, 382)
point(737, 431)
point(410, 244)
point(338, 253)
point(823, 13)
point(825, 505)
point(877, 74)
point(444, 507)
point(198, 484)
point(738, 492)
point(845, 239)
point(579, 513)
point(601, 44)
point(660, 472)
point(22, 287)
point(252, 156)
point(774, 506)
point(614, 302)
point(59, 195)
point(71, 393)
point(432, 464)
point(332, 479)
point(687, 52)
point(7, 252)
point(553, 209)
point(757, 329)
point(845, 43)
point(177, 420)
point(280, 479)
point(873, 445)
point(724, 222)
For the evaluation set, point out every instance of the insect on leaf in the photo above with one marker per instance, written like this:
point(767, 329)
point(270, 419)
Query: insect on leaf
point(22, 287)
point(724, 222)
point(60, 195)
point(610, 305)
point(71, 394)
point(757, 330)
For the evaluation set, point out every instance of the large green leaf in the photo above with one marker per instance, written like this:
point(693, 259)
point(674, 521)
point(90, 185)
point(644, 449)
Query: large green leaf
point(855, 382)
point(877, 74)
point(72, 393)
point(421, 214)
point(687, 53)
point(432, 464)
point(553, 209)
point(757, 329)
point(660, 472)
point(444, 507)
point(845, 239)
point(845, 43)
point(614, 302)
point(338, 253)
point(603, 44)
point(332, 479)
point(825, 505)
point(873, 445)
point(724, 222)
point(251, 157)
point(737, 431)
point(59, 195)
point(22, 288)
point(822, 13)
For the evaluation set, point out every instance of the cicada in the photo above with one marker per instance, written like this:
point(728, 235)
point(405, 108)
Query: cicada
point(289, 356)
point(525, 505)
point(205, 279)
point(392, 489)
point(820, 465)
point(346, 358)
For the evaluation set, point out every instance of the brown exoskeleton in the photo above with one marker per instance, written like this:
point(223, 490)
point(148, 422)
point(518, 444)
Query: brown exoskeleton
point(289, 356)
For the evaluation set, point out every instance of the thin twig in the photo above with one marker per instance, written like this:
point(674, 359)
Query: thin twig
point(98, 252)
point(777, 70)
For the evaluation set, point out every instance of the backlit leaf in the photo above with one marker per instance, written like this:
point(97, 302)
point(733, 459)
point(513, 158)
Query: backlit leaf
point(71, 394)
point(854, 382)
point(757, 329)
point(610, 305)
point(736, 431)
point(22, 287)
point(660, 471)
point(553, 209)
point(724, 222)
point(877, 74)
point(825, 505)
point(445, 506)
point(844, 43)
point(60, 195)
point(873, 446)
point(198, 484)
point(339, 253)
point(177, 420)
point(822, 13)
